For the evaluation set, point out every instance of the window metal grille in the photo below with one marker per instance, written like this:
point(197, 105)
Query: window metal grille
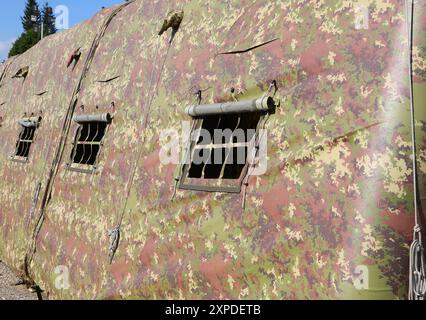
point(26, 139)
point(228, 174)
point(88, 141)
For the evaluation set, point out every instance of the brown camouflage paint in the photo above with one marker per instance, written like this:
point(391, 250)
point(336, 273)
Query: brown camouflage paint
point(338, 191)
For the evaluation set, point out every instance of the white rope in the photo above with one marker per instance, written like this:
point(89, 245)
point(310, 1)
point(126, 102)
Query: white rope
point(417, 280)
point(417, 277)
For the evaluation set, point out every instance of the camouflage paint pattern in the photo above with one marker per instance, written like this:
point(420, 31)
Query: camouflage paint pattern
point(338, 192)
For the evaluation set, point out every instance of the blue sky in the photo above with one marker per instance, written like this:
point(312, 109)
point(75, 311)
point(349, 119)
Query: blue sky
point(12, 10)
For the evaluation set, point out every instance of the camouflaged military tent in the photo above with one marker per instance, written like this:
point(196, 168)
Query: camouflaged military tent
point(83, 188)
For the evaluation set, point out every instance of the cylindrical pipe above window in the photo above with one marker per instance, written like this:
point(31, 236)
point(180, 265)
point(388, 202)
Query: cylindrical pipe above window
point(260, 104)
point(104, 117)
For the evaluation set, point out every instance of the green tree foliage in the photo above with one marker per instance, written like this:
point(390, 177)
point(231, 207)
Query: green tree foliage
point(27, 40)
point(31, 22)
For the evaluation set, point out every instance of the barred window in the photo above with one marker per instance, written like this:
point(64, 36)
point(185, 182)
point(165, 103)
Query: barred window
point(26, 138)
point(88, 142)
point(217, 159)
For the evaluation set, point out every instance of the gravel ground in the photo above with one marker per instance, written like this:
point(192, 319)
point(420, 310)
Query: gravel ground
point(10, 287)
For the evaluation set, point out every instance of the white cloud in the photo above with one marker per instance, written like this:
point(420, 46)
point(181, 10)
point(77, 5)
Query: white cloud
point(5, 47)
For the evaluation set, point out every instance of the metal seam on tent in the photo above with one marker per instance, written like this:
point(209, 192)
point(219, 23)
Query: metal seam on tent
point(115, 232)
point(65, 131)
point(417, 275)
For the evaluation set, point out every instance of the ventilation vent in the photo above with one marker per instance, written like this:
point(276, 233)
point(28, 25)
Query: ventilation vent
point(22, 73)
point(74, 58)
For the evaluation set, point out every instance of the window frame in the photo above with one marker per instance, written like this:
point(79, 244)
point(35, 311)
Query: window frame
point(21, 139)
point(265, 105)
point(89, 120)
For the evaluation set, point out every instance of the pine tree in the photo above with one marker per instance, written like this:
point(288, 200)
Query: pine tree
point(31, 22)
point(32, 17)
point(48, 19)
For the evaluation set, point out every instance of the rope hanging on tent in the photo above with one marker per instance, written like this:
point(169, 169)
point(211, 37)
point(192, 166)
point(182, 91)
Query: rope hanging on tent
point(417, 277)
point(64, 134)
point(115, 233)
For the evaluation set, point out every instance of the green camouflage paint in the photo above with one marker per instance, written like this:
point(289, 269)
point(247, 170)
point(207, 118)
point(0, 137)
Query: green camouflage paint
point(337, 198)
